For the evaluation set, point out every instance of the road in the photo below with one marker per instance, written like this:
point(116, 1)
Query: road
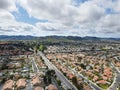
point(1, 85)
point(55, 83)
point(34, 66)
point(70, 51)
point(93, 85)
point(63, 79)
point(29, 85)
point(116, 82)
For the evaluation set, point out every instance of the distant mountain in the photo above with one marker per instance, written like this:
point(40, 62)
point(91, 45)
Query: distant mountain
point(5, 37)
point(50, 38)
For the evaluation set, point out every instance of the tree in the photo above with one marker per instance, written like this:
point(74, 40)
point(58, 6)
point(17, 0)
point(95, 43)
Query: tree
point(79, 59)
point(42, 48)
point(59, 82)
point(78, 85)
point(83, 66)
point(74, 80)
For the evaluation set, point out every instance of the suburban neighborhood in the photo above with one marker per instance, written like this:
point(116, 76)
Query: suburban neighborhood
point(85, 66)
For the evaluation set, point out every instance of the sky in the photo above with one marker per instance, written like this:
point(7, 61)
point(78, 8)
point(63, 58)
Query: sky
point(99, 18)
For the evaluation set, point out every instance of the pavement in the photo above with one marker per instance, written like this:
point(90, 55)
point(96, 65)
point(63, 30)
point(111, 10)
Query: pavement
point(55, 83)
point(1, 85)
point(35, 68)
point(29, 86)
point(63, 79)
point(93, 85)
point(116, 82)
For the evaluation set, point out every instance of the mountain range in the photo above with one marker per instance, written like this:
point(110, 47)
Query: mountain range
point(76, 38)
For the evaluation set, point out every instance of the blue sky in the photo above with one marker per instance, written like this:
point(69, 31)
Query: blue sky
point(23, 16)
point(80, 1)
point(60, 17)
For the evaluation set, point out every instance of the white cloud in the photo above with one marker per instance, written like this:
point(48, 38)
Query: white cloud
point(17, 28)
point(63, 13)
point(5, 15)
point(86, 19)
point(109, 24)
point(8, 5)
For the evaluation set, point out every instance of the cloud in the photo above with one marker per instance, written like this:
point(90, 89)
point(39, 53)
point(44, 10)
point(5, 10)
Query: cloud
point(18, 28)
point(8, 5)
point(64, 17)
point(64, 13)
point(109, 23)
point(5, 16)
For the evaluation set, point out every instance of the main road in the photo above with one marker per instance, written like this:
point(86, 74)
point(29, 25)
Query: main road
point(64, 80)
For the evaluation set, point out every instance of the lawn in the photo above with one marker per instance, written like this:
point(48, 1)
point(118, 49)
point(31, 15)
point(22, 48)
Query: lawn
point(104, 86)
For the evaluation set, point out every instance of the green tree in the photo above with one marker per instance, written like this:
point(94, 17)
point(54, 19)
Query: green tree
point(59, 82)
point(83, 66)
point(42, 48)
point(74, 80)
point(78, 85)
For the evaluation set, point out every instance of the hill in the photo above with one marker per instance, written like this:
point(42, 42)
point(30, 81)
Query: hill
point(53, 38)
